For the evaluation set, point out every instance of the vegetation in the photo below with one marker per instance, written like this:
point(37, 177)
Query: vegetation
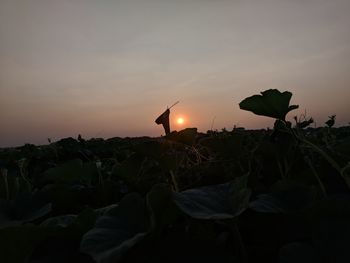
point(278, 195)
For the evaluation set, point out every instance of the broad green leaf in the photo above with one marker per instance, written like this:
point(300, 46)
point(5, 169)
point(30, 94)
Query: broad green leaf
point(162, 208)
point(59, 221)
point(117, 231)
point(74, 171)
point(271, 103)
point(25, 208)
point(66, 198)
point(221, 201)
point(80, 223)
point(103, 210)
point(18, 243)
point(85, 220)
point(285, 197)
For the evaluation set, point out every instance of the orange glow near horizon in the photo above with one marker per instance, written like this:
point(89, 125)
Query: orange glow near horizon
point(107, 69)
point(180, 121)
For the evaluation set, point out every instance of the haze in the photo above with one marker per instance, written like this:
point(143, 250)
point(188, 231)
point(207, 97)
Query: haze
point(109, 68)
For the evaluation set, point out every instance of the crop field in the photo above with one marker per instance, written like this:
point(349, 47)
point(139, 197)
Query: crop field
point(279, 195)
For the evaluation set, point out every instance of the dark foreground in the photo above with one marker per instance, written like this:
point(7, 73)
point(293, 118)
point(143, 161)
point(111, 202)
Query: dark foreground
point(238, 196)
point(241, 196)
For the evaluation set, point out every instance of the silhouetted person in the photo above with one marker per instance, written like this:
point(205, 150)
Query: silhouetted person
point(164, 120)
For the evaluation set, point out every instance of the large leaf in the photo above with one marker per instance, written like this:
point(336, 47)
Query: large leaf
point(162, 208)
point(17, 243)
point(67, 198)
point(117, 231)
point(221, 201)
point(285, 197)
point(59, 221)
point(271, 103)
point(25, 208)
point(80, 223)
point(105, 210)
point(74, 171)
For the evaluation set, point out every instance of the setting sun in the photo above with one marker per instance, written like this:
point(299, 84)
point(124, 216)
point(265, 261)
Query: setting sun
point(180, 120)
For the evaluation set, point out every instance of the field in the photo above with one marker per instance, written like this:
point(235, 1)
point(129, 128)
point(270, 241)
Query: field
point(279, 195)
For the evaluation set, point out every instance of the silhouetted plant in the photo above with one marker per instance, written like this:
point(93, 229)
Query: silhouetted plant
point(331, 121)
point(275, 104)
point(271, 103)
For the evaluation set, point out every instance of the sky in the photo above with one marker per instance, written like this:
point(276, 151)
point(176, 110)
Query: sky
point(109, 68)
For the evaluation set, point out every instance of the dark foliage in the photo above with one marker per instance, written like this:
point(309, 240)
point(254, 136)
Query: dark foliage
point(278, 195)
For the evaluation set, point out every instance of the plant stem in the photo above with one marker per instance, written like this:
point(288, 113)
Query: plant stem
point(238, 240)
point(176, 186)
point(316, 175)
point(326, 156)
point(7, 190)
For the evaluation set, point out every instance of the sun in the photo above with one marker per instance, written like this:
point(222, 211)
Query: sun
point(180, 120)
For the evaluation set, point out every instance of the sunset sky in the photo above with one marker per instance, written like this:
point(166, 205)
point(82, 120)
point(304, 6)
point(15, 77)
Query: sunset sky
point(109, 68)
